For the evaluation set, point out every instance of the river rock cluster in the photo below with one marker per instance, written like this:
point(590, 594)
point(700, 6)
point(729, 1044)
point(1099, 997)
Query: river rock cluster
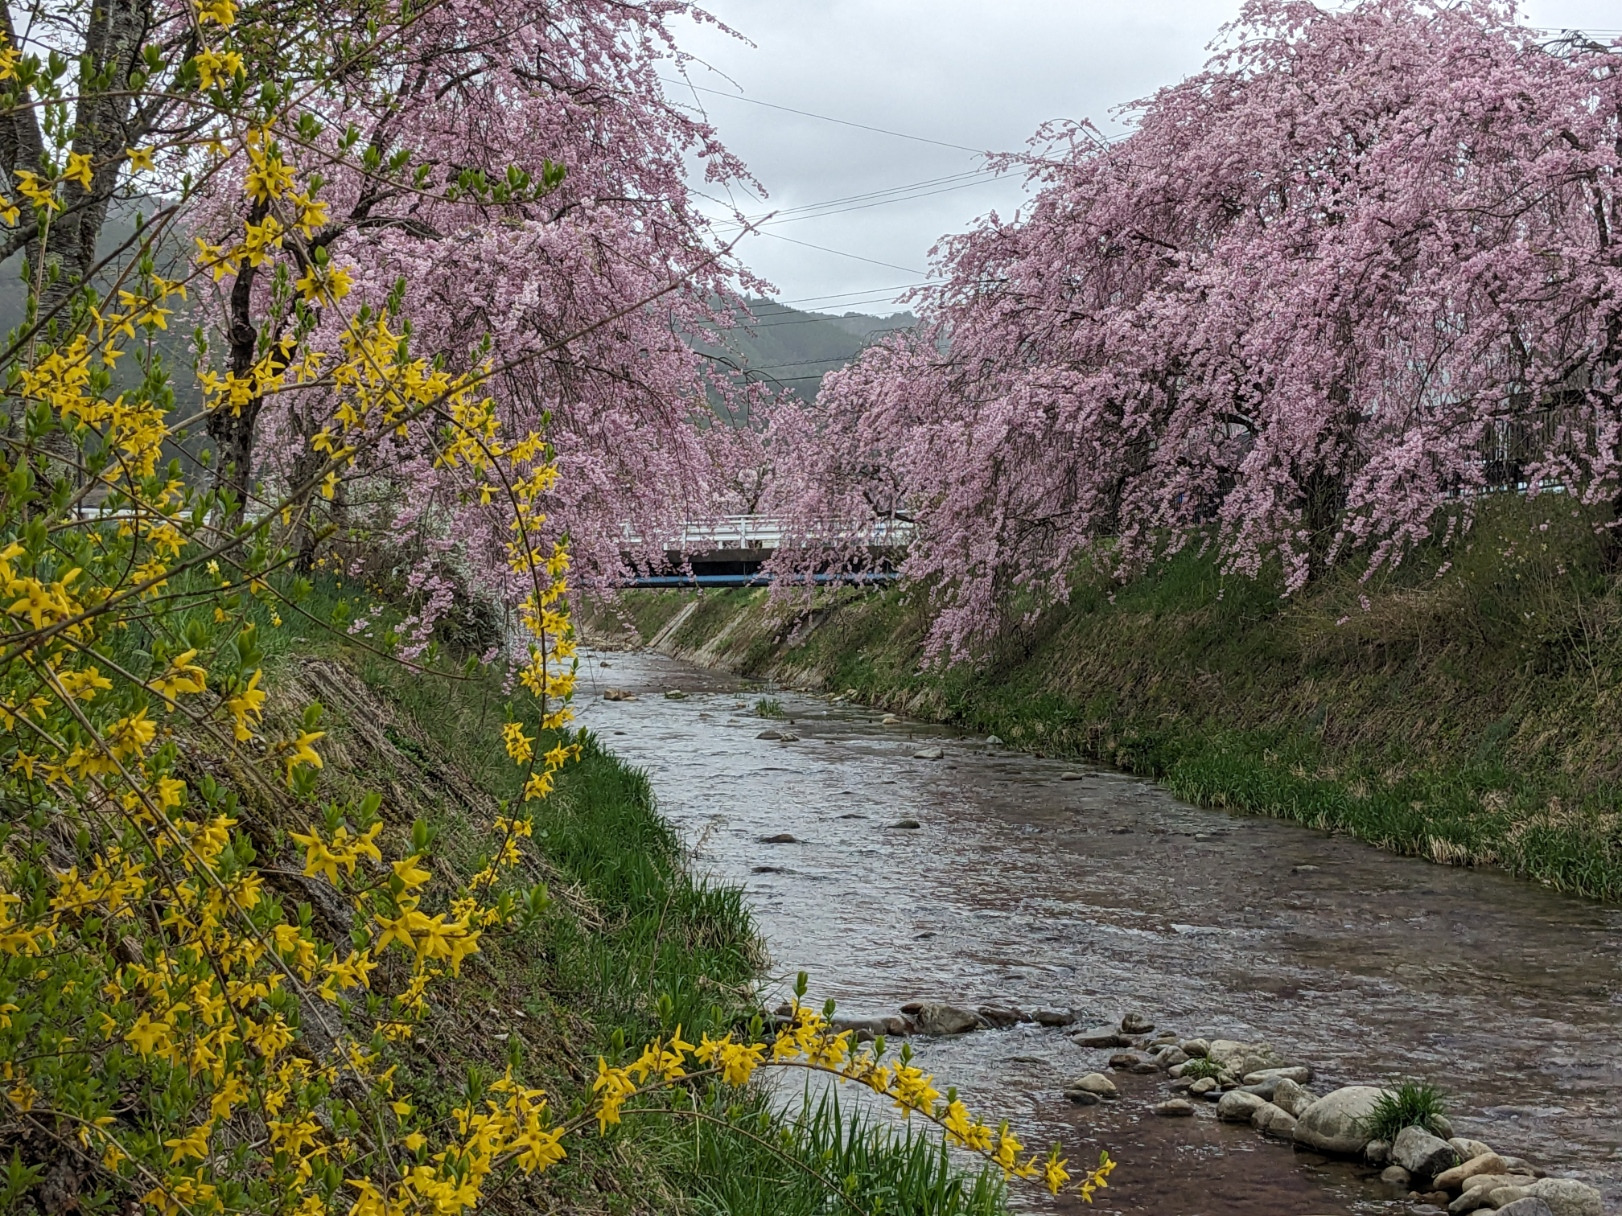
point(1254, 1083)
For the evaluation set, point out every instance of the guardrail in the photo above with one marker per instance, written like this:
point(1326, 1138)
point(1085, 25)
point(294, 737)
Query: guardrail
point(854, 578)
point(770, 532)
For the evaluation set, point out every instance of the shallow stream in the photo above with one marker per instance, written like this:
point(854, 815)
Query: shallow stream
point(1038, 883)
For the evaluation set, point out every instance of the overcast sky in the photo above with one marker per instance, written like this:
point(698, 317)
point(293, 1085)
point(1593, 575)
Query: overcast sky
point(983, 74)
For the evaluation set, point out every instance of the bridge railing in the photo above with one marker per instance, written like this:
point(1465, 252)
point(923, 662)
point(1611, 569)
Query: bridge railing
point(771, 532)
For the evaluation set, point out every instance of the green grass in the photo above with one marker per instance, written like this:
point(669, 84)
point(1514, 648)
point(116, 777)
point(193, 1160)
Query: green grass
point(1460, 707)
point(834, 1159)
point(1200, 1067)
point(769, 707)
point(1411, 1104)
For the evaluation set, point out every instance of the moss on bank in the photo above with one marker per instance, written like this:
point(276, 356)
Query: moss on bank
point(1461, 708)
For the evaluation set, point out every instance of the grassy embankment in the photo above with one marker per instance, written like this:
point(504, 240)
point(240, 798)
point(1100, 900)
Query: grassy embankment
point(1466, 711)
point(631, 947)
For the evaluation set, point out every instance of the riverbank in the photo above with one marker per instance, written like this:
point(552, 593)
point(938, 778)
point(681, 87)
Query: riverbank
point(1463, 712)
point(631, 947)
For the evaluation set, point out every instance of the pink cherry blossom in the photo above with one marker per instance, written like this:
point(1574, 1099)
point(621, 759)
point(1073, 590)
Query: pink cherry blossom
point(583, 298)
point(1360, 270)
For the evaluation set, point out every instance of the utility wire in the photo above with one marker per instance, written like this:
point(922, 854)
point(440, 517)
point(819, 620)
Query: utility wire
point(842, 361)
point(871, 194)
point(880, 202)
point(778, 236)
point(841, 295)
point(844, 122)
point(807, 319)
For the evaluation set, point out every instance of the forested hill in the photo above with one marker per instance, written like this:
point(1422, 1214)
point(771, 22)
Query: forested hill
point(794, 349)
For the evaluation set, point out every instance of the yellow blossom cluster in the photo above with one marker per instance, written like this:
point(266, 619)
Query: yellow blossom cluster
point(147, 946)
point(806, 1039)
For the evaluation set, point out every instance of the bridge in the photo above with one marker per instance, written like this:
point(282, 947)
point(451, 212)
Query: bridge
point(730, 550)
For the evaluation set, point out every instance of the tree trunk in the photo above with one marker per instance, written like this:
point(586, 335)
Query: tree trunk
point(62, 249)
point(233, 432)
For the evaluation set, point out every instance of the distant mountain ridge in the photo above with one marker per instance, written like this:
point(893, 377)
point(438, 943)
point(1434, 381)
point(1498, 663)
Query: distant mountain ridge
point(793, 350)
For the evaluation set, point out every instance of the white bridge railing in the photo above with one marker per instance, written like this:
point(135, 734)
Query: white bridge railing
point(729, 532)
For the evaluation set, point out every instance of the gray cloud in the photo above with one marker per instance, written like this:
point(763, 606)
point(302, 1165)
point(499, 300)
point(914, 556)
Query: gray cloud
point(979, 73)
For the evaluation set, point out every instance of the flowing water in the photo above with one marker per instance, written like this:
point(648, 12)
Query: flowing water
point(1035, 883)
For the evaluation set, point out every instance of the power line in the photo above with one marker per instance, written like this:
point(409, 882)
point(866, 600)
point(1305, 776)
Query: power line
point(807, 319)
point(838, 362)
point(778, 236)
point(844, 122)
point(871, 194)
point(840, 295)
point(880, 202)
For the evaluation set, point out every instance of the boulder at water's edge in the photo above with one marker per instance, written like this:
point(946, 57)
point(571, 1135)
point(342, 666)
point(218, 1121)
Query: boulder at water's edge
point(1334, 1123)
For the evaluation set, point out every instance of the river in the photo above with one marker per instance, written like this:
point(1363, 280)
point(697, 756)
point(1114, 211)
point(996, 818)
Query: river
point(1040, 883)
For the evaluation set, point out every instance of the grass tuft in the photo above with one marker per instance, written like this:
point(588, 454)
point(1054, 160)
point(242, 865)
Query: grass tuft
point(1411, 1104)
point(834, 1159)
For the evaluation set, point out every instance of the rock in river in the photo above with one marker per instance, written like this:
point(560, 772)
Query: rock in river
point(1241, 1059)
point(930, 753)
point(1094, 1083)
point(1469, 1150)
point(779, 838)
point(1455, 1178)
point(1099, 1036)
point(1054, 1017)
point(1292, 1097)
point(1175, 1108)
point(1421, 1153)
point(1299, 1073)
point(769, 733)
point(1478, 1189)
point(1203, 1086)
point(1279, 1124)
point(1395, 1175)
point(618, 694)
point(907, 825)
point(1001, 1016)
point(864, 1028)
point(945, 1019)
point(1237, 1106)
point(1333, 1124)
point(1131, 1061)
point(1530, 1206)
point(1565, 1197)
point(1136, 1023)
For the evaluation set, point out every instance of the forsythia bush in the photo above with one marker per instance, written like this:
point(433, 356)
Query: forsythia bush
point(186, 1039)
